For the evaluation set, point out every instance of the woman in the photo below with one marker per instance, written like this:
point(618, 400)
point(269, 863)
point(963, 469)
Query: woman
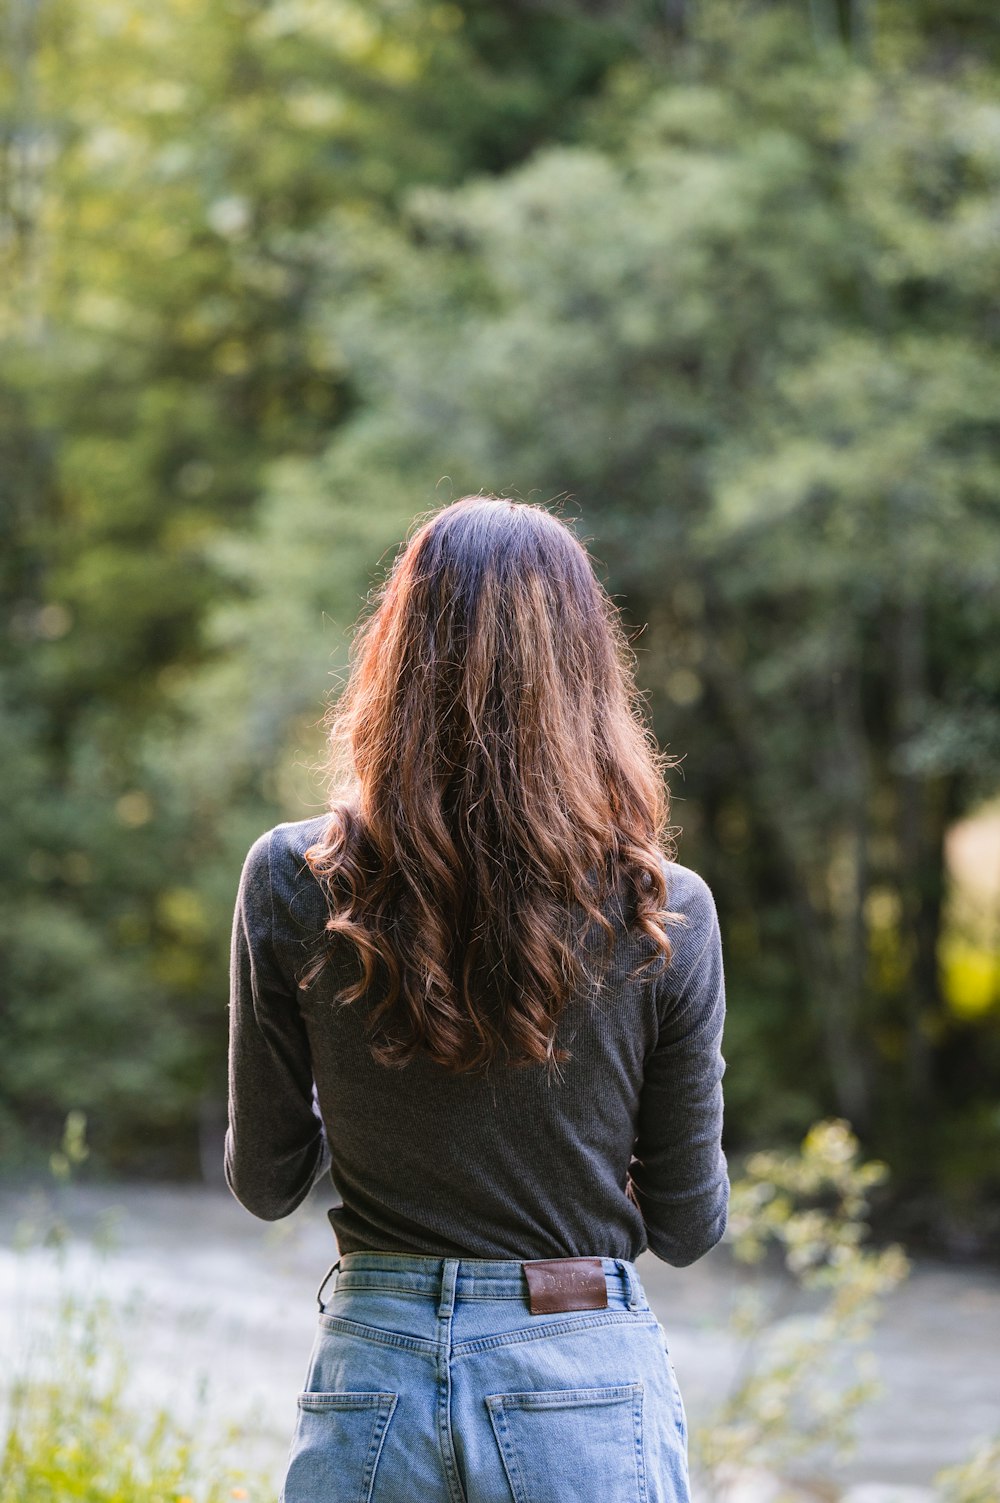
point(479, 991)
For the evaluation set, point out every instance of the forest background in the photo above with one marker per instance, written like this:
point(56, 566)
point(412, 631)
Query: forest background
point(717, 279)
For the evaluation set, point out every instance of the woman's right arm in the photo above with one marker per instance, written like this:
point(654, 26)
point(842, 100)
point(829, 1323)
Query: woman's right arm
point(276, 1145)
point(679, 1173)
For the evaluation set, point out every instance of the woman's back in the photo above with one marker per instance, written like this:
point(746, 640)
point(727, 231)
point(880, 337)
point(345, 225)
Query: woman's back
point(500, 1163)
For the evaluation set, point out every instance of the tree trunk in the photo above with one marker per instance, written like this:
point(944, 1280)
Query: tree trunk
point(825, 983)
point(854, 777)
point(919, 856)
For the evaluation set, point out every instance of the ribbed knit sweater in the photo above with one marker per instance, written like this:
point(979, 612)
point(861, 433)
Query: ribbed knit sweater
point(620, 1152)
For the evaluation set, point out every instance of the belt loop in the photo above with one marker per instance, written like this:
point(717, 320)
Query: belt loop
point(449, 1278)
point(630, 1283)
point(319, 1291)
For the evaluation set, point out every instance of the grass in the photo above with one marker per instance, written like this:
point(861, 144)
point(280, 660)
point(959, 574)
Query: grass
point(75, 1432)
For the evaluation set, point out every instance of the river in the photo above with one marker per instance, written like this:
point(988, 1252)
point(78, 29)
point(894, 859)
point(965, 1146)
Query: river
point(220, 1312)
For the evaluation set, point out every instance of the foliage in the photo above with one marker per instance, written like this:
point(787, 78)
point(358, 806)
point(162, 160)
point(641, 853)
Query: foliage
point(752, 317)
point(73, 1426)
point(791, 1397)
point(74, 1432)
point(280, 273)
point(165, 180)
point(974, 1481)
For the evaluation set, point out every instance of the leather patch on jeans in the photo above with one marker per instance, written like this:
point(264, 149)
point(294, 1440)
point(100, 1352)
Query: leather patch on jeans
point(556, 1284)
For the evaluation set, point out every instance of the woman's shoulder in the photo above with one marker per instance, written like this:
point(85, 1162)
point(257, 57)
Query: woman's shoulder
point(687, 889)
point(690, 898)
point(293, 837)
point(277, 859)
point(282, 848)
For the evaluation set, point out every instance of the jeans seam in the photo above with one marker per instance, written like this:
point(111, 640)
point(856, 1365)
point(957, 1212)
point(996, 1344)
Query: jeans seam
point(640, 1455)
point(446, 1440)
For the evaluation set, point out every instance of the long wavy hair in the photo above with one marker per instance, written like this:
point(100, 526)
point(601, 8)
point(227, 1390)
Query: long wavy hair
point(492, 783)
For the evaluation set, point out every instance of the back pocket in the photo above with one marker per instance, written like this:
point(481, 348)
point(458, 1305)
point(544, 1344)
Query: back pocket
point(336, 1447)
point(572, 1445)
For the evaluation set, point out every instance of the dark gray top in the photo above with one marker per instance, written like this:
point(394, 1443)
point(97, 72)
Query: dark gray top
point(622, 1153)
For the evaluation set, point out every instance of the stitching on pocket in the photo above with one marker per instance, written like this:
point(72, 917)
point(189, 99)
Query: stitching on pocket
point(561, 1398)
point(319, 1402)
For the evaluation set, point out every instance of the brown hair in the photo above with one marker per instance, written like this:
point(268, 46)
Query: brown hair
point(490, 769)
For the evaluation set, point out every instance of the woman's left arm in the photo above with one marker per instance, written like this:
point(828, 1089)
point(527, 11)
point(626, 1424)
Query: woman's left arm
point(276, 1146)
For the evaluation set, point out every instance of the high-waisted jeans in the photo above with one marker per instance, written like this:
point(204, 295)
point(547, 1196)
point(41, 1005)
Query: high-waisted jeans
point(430, 1381)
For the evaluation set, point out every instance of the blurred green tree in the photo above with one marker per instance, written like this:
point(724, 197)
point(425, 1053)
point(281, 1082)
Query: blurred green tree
point(166, 178)
point(749, 324)
point(725, 272)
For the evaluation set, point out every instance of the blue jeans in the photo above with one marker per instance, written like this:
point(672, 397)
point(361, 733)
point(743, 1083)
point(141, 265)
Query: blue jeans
point(430, 1381)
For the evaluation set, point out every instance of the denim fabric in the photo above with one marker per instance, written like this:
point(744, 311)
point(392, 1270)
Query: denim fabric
point(430, 1381)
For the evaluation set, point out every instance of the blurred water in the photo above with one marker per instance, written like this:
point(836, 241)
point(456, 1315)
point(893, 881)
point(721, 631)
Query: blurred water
point(221, 1309)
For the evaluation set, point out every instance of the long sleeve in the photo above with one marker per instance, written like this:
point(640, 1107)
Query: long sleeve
point(679, 1173)
point(276, 1146)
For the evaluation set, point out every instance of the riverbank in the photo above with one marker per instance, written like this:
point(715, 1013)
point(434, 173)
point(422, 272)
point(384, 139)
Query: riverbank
point(222, 1310)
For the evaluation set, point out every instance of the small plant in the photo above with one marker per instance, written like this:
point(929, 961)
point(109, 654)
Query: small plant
point(72, 1431)
point(73, 1150)
point(974, 1481)
point(787, 1399)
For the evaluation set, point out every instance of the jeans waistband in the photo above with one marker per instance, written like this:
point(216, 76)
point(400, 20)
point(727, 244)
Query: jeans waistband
point(462, 1278)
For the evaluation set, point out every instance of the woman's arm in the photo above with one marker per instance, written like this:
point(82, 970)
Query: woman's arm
point(276, 1147)
point(679, 1174)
